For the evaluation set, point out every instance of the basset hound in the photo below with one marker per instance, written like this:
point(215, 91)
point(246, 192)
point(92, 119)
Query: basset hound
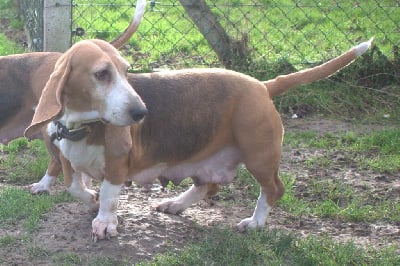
point(201, 123)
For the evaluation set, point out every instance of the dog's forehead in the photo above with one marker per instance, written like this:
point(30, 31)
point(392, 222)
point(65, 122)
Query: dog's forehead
point(88, 52)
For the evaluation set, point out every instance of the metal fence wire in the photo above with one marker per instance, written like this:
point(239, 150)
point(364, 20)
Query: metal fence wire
point(301, 32)
point(291, 32)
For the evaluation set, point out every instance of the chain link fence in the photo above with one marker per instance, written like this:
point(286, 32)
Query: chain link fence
point(295, 33)
point(262, 35)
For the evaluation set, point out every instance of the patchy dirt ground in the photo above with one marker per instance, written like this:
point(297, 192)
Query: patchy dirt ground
point(144, 232)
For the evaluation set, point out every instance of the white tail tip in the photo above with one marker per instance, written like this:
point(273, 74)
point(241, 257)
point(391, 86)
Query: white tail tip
point(363, 47)
point(139, 10)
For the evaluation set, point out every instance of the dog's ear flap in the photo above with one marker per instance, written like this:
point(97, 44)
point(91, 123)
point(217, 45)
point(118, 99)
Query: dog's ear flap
point(50, 102)
point(120, 146)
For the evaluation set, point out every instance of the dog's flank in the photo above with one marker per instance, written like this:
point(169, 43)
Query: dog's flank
point(200, 123)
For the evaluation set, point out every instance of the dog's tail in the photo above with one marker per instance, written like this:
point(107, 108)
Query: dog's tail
point(133, 26)
point(283, 83)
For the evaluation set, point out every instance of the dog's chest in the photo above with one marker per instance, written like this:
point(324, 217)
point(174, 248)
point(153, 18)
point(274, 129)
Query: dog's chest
point(83, 157)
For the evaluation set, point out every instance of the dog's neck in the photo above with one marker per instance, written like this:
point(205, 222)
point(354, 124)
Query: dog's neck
point(62, 132)
point(74, 120)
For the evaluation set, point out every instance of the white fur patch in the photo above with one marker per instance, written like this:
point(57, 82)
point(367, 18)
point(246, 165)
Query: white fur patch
point(73, 119)
point(139, 11)
point(78, 189)
point(119, 101)
point(105, 224)
point(43, 186)
point(260, 214)
point(184, 200)
point(363, 47)
point(84, 158)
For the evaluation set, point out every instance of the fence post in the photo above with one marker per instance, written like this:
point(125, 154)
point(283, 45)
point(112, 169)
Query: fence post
point(57, 25)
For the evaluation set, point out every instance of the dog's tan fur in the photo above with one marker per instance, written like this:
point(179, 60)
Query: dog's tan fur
point(200, 123)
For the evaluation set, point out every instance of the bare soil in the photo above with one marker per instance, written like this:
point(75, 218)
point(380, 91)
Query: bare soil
point(144, 232)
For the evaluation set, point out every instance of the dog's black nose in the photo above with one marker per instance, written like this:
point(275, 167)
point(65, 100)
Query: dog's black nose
point(138, 114)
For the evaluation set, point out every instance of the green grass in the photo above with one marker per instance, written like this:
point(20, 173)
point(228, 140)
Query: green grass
point(226, 247)
point(337, 200)
point(8, 47)
point(378, 150)
point(20, 205)
point(26, 162)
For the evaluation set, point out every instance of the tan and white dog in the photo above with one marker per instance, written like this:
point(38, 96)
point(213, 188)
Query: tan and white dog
point(198, 123)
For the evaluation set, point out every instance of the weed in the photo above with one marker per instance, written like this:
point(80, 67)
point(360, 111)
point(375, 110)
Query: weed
point(8, 240)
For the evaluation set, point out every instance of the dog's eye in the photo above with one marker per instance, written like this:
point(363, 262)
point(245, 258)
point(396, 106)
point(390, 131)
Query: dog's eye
point(102, 75)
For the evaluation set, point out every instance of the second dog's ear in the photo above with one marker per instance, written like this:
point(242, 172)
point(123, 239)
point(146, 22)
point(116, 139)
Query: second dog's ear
point(50, 102)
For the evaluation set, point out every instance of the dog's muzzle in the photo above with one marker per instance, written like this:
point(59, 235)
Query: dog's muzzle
point(137, 114)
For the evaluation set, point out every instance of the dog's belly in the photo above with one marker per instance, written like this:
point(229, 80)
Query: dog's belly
point(220, 168)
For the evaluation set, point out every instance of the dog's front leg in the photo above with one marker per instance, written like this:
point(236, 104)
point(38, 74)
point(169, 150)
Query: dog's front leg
point(105, 224)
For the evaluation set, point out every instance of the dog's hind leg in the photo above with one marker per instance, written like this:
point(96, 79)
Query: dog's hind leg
point(259, 138)
point(270, 192)
point(183, 201)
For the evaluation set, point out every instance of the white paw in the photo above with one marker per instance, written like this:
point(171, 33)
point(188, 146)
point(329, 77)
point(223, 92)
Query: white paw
point(248, 223)
point(44, 185)
point(93, 200)
point(170, 206)
point(104, 229)
point(38, 188)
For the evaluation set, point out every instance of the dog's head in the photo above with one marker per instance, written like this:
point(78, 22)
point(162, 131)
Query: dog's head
point(88, 84)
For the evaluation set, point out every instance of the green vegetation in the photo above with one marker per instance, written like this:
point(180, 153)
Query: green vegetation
point(378, 150)
point(226, 247)
point(8, 47)
point(25, 161)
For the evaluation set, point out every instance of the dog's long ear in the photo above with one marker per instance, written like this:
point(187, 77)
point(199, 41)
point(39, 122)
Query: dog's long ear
point(50, 102)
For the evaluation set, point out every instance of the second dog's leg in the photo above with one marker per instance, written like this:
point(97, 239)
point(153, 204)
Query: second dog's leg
point(183, 201)
point(44, 185)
